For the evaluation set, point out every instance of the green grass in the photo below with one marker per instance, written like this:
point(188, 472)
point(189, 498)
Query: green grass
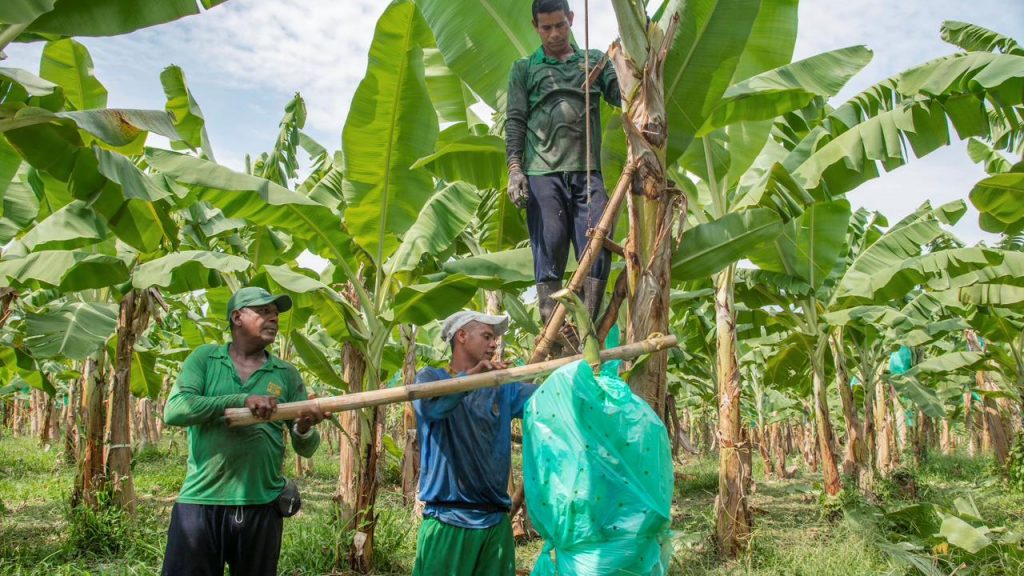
point(39, 534)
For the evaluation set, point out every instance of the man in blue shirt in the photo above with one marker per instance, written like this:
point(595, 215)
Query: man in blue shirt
point(465, 457)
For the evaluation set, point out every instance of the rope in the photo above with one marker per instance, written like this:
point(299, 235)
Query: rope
point(586, 103)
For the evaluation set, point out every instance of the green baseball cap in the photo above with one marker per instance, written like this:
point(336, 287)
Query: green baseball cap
point(256, 296)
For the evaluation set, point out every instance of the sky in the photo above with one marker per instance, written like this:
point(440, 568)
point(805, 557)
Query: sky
point(245, 59)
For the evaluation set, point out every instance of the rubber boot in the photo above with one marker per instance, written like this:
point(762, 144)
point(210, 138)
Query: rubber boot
point(593, 296)
point(544, 301)
point(547, 307)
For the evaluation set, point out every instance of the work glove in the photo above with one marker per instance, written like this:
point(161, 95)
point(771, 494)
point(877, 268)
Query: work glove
point(518, 187)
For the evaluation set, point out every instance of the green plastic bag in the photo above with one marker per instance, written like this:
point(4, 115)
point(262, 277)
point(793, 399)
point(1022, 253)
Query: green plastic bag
point(901, 361)
point(597, 467)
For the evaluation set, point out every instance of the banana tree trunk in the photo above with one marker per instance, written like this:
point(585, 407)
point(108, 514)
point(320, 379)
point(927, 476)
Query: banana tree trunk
point(994, 436)
point(411, 452)
point(808, 446)
point(883, 436)
point(759, 437)
point(90, 470)
point(357, 475)
point(17, 417)
point(992, 424)
point(854, 455)
point(830, 472)
point(733, 520)
point(971, 426)
point(946, 438)
point(870, 440)
point(46, 416)
point(778, 451)
point(71, 423)
point(33, 410)
point(7, 298)
point(919, 437)
point(137, 432)
point(132, 322)
point(650, 203)
point(899, 417)
point(154, 421)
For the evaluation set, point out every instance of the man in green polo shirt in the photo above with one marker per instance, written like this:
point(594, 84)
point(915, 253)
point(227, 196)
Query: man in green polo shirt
point(546, 149)
point(225, 512)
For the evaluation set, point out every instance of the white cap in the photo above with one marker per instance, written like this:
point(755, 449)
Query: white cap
point(453, 323)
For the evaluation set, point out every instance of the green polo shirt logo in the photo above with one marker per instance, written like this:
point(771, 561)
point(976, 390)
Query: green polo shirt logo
point(274, 390)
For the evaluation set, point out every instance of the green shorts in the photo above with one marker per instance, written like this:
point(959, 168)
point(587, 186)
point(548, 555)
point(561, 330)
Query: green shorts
point(446, 550)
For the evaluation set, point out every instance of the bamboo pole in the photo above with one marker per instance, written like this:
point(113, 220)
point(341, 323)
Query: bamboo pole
point(291, 410)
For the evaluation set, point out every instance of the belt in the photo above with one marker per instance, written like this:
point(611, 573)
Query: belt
point(478, 506)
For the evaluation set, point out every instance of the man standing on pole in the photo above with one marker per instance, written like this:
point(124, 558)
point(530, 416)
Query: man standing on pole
point(546, 150)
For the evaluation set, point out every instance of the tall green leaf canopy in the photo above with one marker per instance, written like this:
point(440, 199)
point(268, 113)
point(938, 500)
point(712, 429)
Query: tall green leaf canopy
point(704, 54)
point(501, 225)
point(145, 380)
point(66, 270)
point(315, 359)
point(68, 64)
point(96, 17)
point(386, 132)
point(770, 46)
point(24, 11)
point(481, 39)
point(75, 330)
point(188, 117)
point(808, 247)
point(709, 247)
point(187, 270)
point(131, 203)
point(508, 268)
point(461, 155)
point(443, 218)
point(772, 39)
point(879, 261)
point(447, 92)
point(338, 317)
point(787, 88)
point(911, 111)
point(1004, 295)
point(33, 85)
point(1000, 199)
point(73, 226)
point(257, 200)
point(424, 303)
point(975, 38)
point(20, 207)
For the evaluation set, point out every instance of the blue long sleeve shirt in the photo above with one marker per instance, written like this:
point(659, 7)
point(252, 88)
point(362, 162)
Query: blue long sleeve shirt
point(466, 449)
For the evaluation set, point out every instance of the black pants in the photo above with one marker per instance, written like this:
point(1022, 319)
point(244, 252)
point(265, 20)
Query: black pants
point(202, 538)
point(558, 213)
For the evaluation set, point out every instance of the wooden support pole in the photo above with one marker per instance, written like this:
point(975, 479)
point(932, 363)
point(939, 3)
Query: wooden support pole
point(291, 410)
point(609, 245)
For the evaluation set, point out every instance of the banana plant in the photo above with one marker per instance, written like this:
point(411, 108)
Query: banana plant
point(91, 220)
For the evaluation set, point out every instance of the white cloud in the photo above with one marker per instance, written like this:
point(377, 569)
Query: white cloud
point(901, 34)
point(316, 48)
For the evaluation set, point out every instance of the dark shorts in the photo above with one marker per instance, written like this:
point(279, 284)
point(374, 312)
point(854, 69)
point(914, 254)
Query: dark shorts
point(559, 212)
point(203, 538)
